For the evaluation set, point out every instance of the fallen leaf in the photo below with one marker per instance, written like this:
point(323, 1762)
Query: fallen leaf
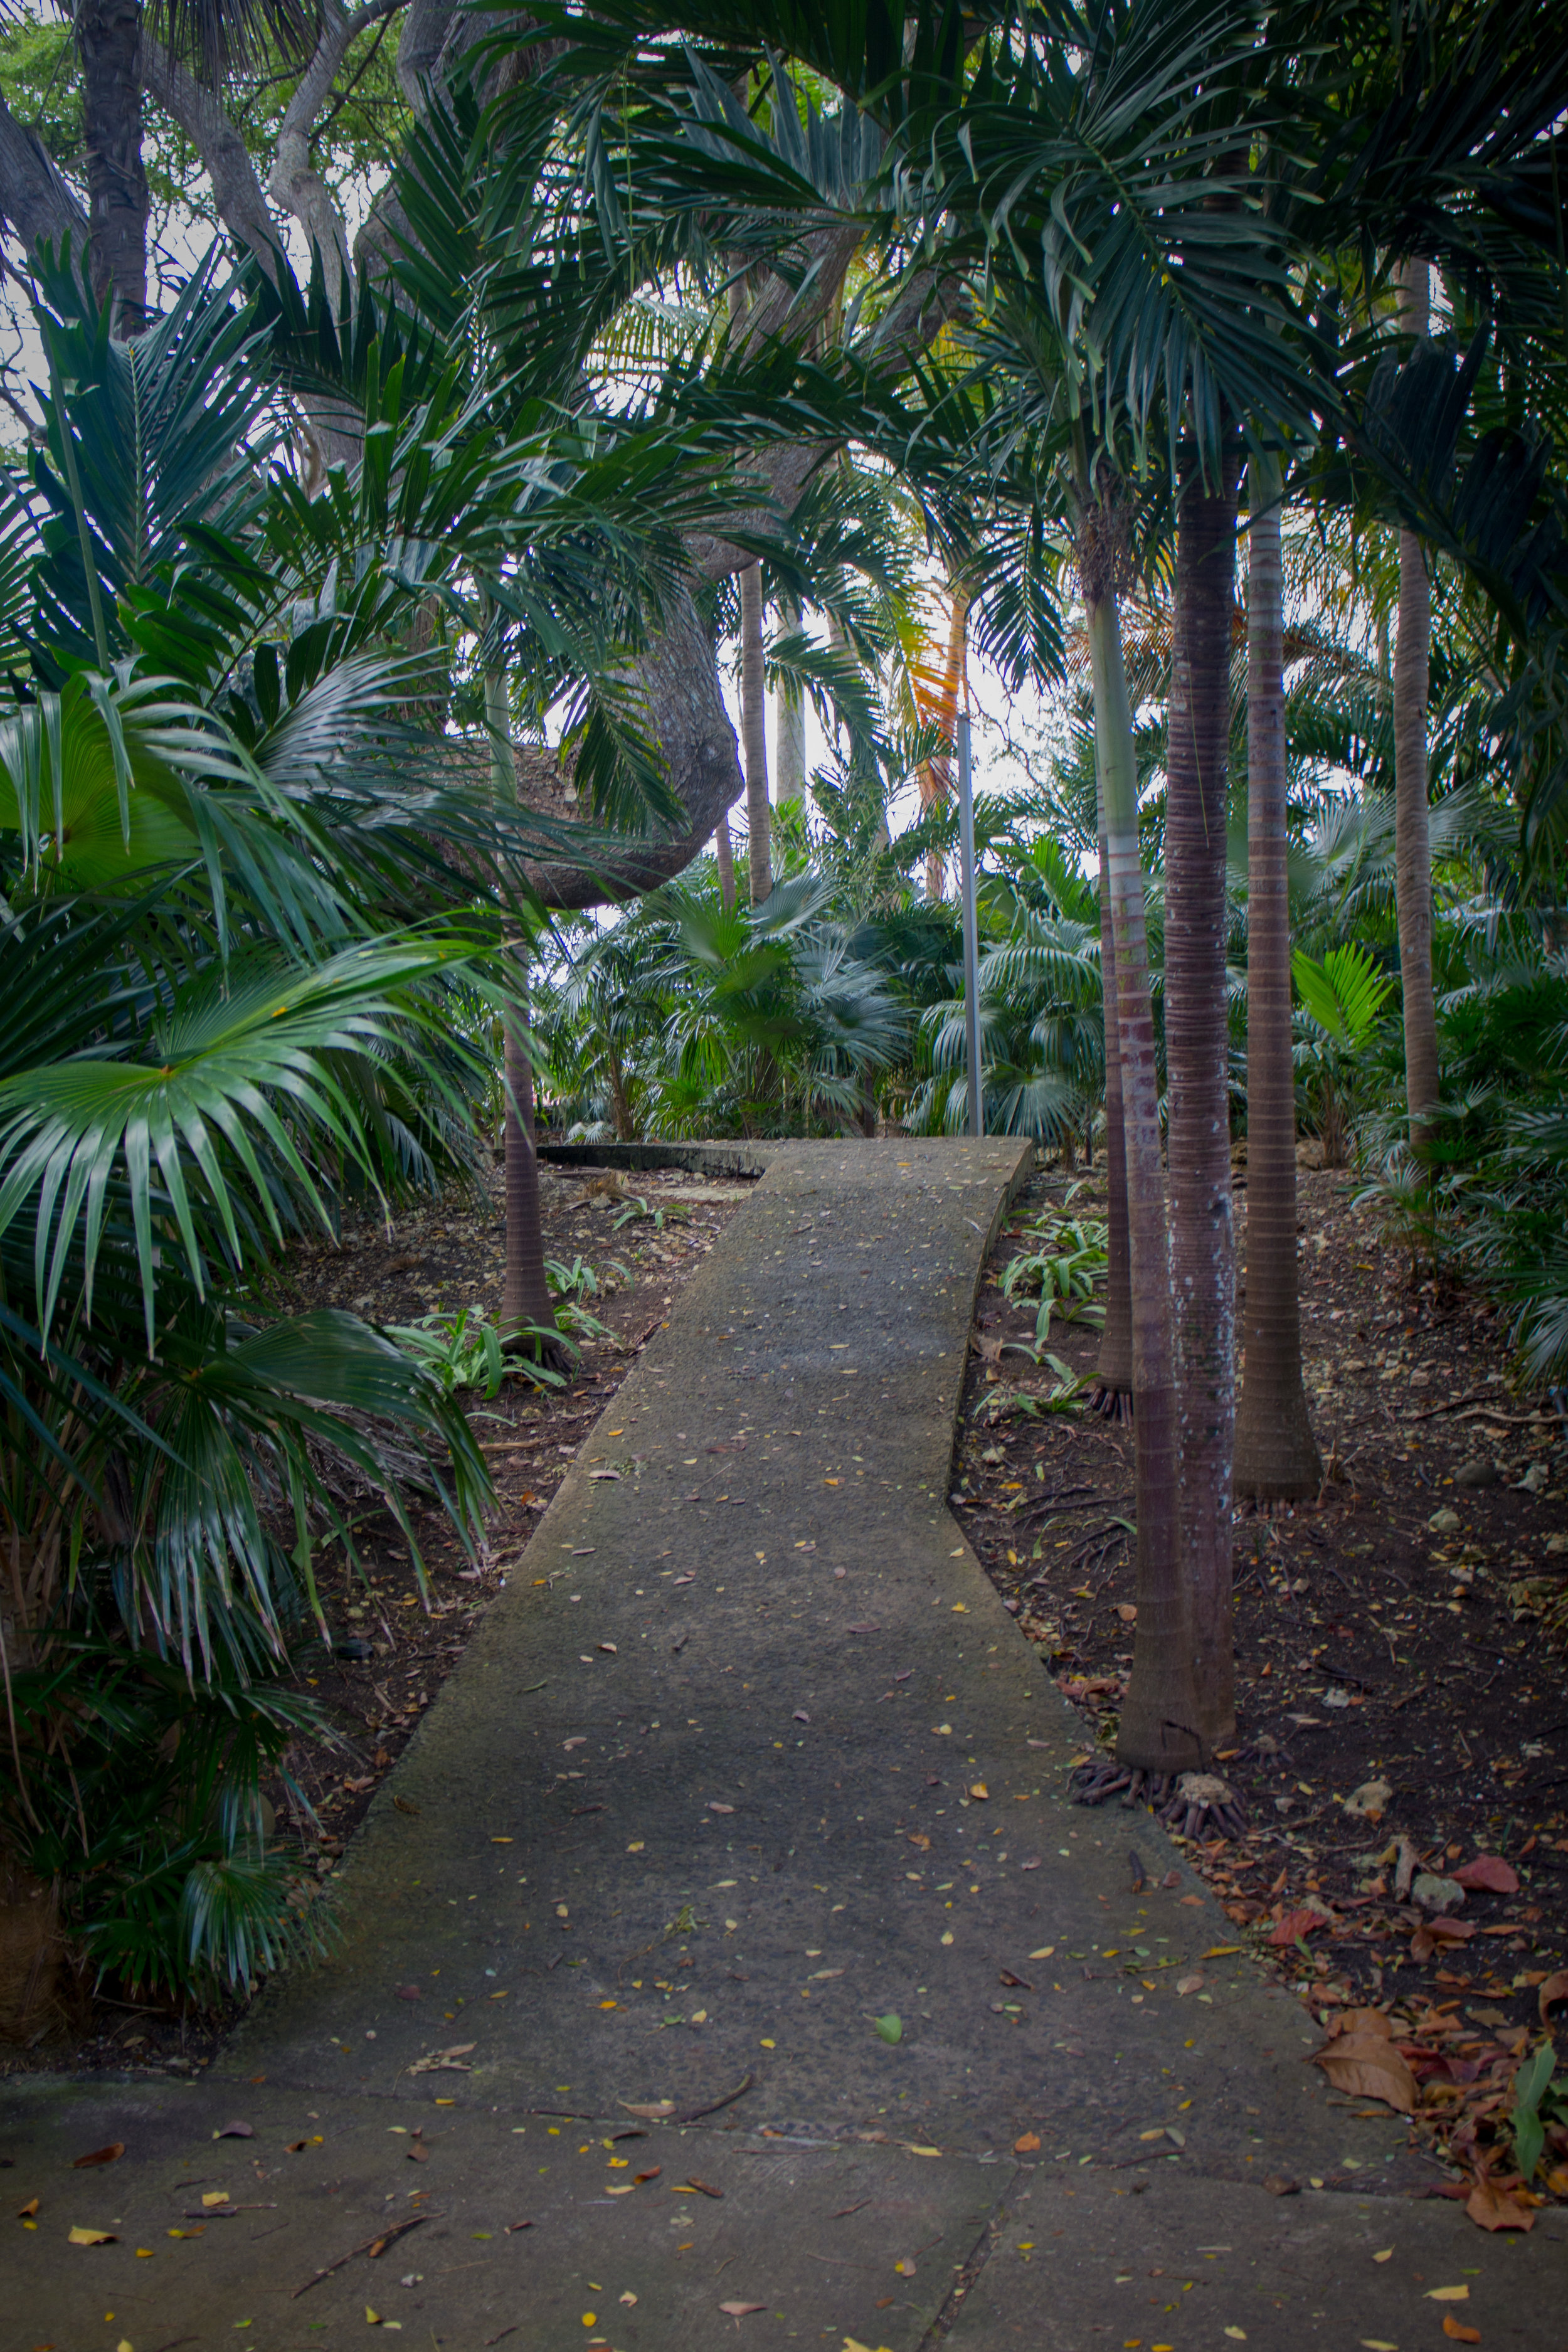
point(1027, 2144)
point(652, 2174)
point(1488, 1871)
point(1238, 2335)
point(1192, 1902)
point(406, 1805)
point(235, 2131)
point(410, 1992)
point(417, 2152)
point(109, 2155)
point(24, 2211)
point(890, 2027)
point(210, 2197)
point(1459, 2331)
point(1021, 1984)
point(1490, 2209)
point(978, 1789)
point(1279, 2184)
point(1193, 1982)
point(739, 2310)
point(1448, 2295)
point(1554, 1988)
point(654, 2112)
point(706, 2188)
point(94, 2238)
point(512, 2227)
point(716, 1808)
point(1294, 1923)
point(1386, 2256)
point(611, 1648)
point(1367, 2066)
point(862, 1629)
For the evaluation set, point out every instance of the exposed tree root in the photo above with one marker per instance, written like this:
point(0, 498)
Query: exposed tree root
point(1193, 1802)
point(1111, 1404)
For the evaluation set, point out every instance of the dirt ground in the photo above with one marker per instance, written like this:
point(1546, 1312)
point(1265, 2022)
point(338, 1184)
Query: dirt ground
point(1389, 1632)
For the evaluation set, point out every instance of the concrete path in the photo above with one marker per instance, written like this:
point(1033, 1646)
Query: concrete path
point(748, 1758)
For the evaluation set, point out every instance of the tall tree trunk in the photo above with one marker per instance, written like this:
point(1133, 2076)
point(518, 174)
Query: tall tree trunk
point(1412, 840)
point(724, 851)
point(1276, 1453)
point(1197, 1070)
point(754, 736)
point(108, 41)
point(1159, 1728)
point(936, 776)
point(1113, 1372)
point(789, 739)
point(525, 1292)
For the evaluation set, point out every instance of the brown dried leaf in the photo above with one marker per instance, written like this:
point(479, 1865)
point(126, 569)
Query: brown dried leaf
point(1489, 1873)
point(109, 2155)
point(1554, 1988)
point(739, 2310)
point(1491, 2209)
point(1368, 2067)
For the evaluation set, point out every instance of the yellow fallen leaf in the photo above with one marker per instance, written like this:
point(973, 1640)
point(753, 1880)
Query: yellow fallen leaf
point(947, 1935)
point(628, 2298)
point(978, 1789)
point(1044, 1953)
point(215, 2197)
point(961, 1608)
point(1376, 2344)
point(1386, 2255)
point(1221, 1951)
point(1448, 2295)
point(373, 2318)
point(1238, 2334)
point(94, 2238)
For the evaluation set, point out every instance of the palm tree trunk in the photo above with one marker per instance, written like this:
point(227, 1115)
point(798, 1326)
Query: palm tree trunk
point(1158, 1731)
point(754, 736)
point(789, 740)
point(525, 1292)
point(724, 851)
point(1276, 1453)
point(1412, 846)
point(1197, 1070)
point(108, 41)
point(1113, 1372)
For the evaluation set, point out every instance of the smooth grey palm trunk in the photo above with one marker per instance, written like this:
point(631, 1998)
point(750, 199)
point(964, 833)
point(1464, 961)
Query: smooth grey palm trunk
point(1276, 1455)
point(1159, 1728)
point(754, 735)
point(1197, 1070)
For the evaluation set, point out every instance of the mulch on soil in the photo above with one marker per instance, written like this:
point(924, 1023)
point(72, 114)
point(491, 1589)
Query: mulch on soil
point(1393, 1632)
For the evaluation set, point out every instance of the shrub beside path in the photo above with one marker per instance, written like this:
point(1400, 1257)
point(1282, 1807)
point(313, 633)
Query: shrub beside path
point(724, 1956)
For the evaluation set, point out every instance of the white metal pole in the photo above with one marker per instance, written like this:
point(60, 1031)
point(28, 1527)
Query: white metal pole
point(971, 929)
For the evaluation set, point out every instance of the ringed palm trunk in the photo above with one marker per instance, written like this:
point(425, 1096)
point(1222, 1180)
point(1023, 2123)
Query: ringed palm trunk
point(789, 743)
point(1158, 1731)
point(1412, 840)
point(1276, 1453)
point(754, 736)
point(109, 42)
point(525, 1292)
point(1198, 1069)
point(724, 852)
point(1113, 1372)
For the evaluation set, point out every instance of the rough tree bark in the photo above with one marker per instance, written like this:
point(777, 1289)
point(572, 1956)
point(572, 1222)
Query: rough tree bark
point(1113, 1371)
point(754, 730)
point(1276, 1455)
point(201, 115)
point(109, 42)
point(1158, 1732)
point(1413, 848)
point(1197, 1060)
point(35, 202)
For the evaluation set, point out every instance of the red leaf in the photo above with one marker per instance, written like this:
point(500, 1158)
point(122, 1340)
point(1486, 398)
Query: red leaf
point(109, 2155)
point(1497, 1877)
point(1297, 1923)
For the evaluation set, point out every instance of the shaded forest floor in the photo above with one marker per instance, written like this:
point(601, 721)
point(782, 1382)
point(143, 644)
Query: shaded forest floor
point(1395, 1682)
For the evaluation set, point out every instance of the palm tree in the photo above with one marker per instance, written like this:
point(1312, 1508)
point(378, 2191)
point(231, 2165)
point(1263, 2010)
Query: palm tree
point(1412, 678)
point(1276, 1455)
point(754, 736)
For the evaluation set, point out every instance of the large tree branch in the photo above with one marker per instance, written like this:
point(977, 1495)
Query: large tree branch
point(199, 113)
point(294, 182)
point(35, 201)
